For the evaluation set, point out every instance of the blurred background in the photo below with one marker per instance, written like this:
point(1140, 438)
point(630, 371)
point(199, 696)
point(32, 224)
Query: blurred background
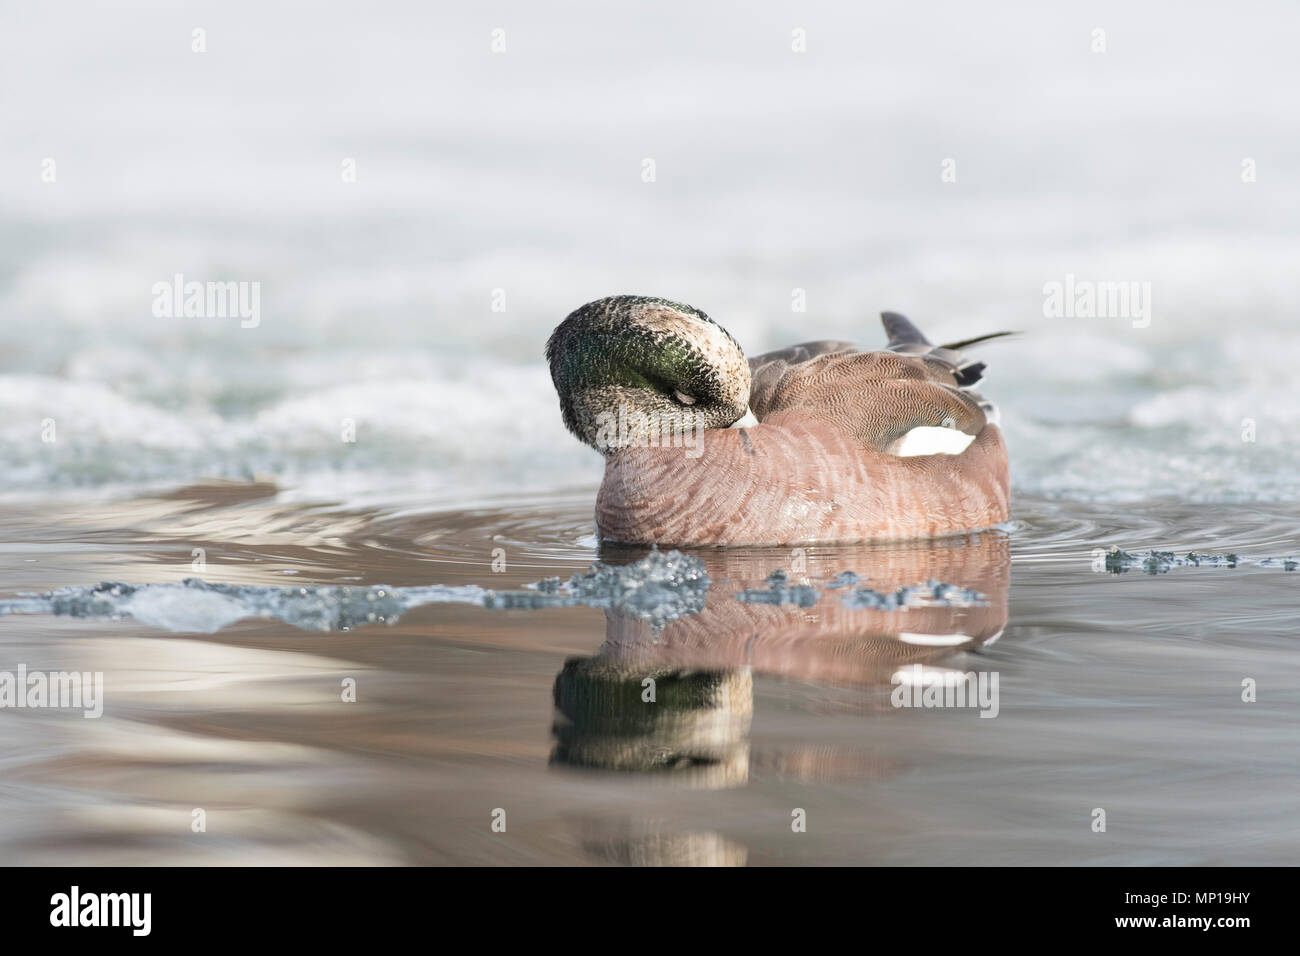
point(498, 189)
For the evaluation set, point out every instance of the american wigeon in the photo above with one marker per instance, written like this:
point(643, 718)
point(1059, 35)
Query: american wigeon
point(818, 442)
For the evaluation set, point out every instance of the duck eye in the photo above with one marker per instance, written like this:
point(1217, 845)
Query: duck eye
point(684, 398)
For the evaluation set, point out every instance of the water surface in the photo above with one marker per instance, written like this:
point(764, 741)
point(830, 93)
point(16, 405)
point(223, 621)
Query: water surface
point(1118, 691)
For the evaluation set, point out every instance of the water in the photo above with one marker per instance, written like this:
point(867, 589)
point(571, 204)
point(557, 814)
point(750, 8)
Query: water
point(1120, 691)
point(408, 310)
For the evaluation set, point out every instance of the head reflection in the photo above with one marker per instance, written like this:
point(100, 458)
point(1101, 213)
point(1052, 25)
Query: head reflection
point(677, 701)
point(621, 714)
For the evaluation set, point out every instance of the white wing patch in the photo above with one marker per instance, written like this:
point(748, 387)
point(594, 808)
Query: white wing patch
point(933, 640)
point(931, 440)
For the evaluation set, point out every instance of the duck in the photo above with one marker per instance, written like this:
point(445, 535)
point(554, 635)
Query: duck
point(821, 442)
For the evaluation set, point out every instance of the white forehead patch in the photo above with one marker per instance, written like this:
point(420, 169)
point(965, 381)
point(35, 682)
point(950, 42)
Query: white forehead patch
point(708, 337)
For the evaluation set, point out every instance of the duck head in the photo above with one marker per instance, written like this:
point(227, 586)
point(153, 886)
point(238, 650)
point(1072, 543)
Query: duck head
point(630, 368)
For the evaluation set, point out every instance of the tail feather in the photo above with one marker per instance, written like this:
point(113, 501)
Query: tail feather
point(905, 337)
point(901, 331)
point(955, 346)
point(968, 375)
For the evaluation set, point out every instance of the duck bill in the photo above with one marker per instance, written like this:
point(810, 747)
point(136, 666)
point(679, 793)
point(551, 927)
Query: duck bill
point(745, 421)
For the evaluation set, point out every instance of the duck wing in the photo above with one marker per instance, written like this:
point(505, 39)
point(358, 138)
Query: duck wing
point(879, 396)
point(767, 370)
point(794, 354)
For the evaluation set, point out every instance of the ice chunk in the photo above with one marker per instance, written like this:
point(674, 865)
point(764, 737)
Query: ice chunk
point(198, 606)
point(780, 591)
point(845, 579)
point(929, 594)
point(658, 588)
point(1118, 561)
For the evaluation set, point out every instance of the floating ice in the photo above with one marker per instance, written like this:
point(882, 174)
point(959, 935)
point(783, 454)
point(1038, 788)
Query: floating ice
point(1286, 564)
point(660, 587)
point(929, 594)
point(1161, 562)
point(201, 607)
point(845, 579)
point(779, 591)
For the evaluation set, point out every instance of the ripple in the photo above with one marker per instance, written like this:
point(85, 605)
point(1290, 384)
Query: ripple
point(1058, 531)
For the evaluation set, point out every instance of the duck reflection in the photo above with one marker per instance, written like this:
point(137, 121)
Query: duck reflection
point(617, 715)
point(677, 702)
